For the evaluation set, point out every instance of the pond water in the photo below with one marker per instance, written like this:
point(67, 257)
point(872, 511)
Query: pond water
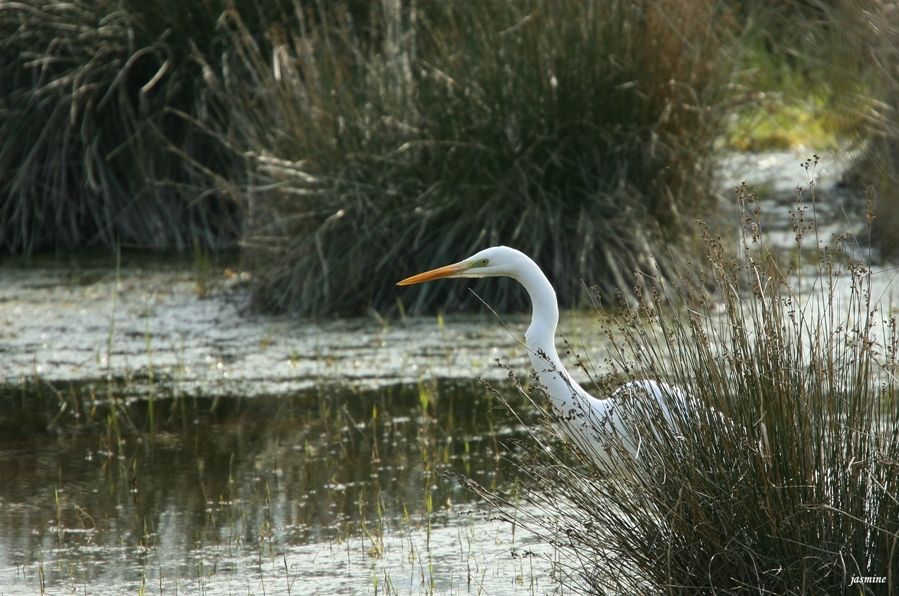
point(309, 492)
point(157, 437)
point(187, 330)
point(154, 436)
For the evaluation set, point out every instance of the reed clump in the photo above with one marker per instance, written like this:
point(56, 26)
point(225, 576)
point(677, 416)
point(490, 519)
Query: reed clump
point(100, 135)
point(580, 133)
point(781, 473)
point(346, 144)
point(840, 55)
point(877, 171)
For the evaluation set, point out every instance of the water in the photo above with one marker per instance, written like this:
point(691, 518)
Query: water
point(311, 492)
point(155, 435)
point(189, 331)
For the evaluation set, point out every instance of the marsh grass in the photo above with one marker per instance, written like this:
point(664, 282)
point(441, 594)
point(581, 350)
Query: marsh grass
point(347, 144)
point(781, 472)
point(838, 58)
point(877, 170)
point(101, 140)
point(805, 75)
point(580, 133)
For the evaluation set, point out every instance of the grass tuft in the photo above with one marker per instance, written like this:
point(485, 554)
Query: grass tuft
point(99, 135)
point(782, 474)
point(830, 67)
point(877, 171)
point(580, 133)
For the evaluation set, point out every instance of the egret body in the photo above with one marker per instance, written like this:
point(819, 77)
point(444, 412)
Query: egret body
point(587, 420)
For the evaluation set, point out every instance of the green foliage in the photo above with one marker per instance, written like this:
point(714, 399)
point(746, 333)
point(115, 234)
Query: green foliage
point(789, 108)
point(803, 76)
point(578, 132)
point(824, 73)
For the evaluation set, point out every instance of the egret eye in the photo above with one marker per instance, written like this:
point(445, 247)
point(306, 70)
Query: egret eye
point(484, 262)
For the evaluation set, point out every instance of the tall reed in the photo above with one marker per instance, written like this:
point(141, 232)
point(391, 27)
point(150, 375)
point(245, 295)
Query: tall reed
point(579, 132)
point(781, 474)
point(843, 52)
point(877, 35)
point(100, 140)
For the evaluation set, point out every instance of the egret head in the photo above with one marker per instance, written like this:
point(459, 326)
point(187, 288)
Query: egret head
point(495, 261)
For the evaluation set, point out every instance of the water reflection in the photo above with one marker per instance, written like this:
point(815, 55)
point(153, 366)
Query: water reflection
point(234, 486)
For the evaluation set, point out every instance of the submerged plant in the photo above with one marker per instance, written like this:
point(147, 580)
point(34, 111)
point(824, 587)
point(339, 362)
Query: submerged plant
point(783, 478)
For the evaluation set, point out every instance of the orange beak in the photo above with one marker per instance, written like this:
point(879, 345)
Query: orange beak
point(438, 273)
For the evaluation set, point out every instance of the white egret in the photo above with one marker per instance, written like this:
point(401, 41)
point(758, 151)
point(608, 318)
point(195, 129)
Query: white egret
point(588, 420)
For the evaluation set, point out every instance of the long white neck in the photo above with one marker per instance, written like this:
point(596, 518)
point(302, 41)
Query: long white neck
point(567, 396)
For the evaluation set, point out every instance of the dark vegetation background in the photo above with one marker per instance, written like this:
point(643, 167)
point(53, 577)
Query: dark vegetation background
point(344, 145)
